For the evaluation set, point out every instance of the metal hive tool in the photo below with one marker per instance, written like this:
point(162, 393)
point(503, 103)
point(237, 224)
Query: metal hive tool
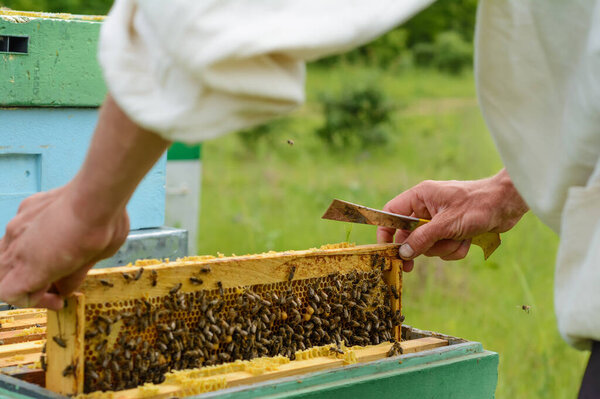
point(131, 325)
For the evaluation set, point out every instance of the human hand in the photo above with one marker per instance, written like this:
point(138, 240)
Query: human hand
point(48, 248)
point(459, 210)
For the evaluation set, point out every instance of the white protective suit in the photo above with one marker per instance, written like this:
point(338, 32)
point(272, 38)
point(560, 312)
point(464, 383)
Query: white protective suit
point(192, 70)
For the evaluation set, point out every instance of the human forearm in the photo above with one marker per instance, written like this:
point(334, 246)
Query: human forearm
point(120, 154)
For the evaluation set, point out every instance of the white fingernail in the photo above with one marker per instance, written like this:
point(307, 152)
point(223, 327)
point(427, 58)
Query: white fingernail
point(406, 252)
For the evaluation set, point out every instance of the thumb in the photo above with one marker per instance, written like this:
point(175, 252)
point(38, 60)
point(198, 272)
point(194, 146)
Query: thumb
point(422, 239)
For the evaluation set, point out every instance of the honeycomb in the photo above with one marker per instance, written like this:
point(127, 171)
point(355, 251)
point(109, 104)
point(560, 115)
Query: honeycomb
point(133, 342)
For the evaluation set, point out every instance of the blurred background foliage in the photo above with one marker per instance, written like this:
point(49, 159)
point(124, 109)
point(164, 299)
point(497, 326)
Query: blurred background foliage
point(439, 37)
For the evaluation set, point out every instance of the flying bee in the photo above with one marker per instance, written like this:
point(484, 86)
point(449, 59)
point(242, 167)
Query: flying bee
point(174, 290)
point(59, 341)
point(291, 273)
point(138, 274)
point(290, 142)
point(525, 308)
point(196, 280)
point(106, 283)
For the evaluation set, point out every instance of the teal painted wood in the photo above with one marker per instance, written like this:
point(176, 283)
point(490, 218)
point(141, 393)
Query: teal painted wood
point(42, 148)
point(60, 68)
point(460, 371)
point(14, 388)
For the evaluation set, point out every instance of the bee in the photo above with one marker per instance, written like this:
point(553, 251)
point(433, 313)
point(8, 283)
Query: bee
point(93, 375)
point(126, 276)
point(265, 318)
point(138, 275)
point(59, 341)
point(205, 269)
point(90, 333)
point(209, 315)
point(395, 350)
point(394, 291)
point(105, 319)
point(336, 349)
point(220, 285)
point(115, 366)
point(290, 142)
point(162, 347)
point(374, 261)
point(174, 290)
point(196, 280)
point(69, 370)
point(338, 284)
point(106, 283)
point(153, 278)
point(525, 308)
point(101, 346)
point(291, 273)
point(43, 362)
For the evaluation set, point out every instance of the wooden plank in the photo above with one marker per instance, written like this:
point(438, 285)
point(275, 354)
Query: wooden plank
point(21, 348)
point(295, 368)
point(257, 269)
point(20, 314)
point(68, 325)
point(19, 324)
point(13, 337)
point(19, 360)
point(393, 278)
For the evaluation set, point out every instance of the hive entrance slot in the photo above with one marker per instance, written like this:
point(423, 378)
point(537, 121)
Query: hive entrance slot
point(14, 44)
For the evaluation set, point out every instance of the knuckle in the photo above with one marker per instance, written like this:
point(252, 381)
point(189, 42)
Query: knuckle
point(11, 229)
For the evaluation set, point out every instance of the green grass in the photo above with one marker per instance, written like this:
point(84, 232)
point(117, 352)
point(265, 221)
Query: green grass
point(271, 197)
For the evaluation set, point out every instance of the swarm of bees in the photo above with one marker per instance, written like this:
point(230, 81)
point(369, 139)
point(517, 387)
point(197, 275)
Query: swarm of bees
point(212, 326)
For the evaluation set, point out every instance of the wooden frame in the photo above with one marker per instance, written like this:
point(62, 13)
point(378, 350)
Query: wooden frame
point(105, 286)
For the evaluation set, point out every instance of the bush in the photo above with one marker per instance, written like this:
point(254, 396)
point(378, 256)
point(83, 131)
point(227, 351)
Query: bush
point(355, 120)
point(452, 53)
point(424, 54)
point(448, 53)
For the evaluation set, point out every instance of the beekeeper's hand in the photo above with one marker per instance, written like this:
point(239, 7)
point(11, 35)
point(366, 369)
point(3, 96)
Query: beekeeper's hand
point(459, 210)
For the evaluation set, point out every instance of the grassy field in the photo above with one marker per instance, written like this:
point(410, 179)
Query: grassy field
point(270, 196)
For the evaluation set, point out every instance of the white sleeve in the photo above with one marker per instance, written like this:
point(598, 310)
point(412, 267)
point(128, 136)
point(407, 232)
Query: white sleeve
point(192, 70)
